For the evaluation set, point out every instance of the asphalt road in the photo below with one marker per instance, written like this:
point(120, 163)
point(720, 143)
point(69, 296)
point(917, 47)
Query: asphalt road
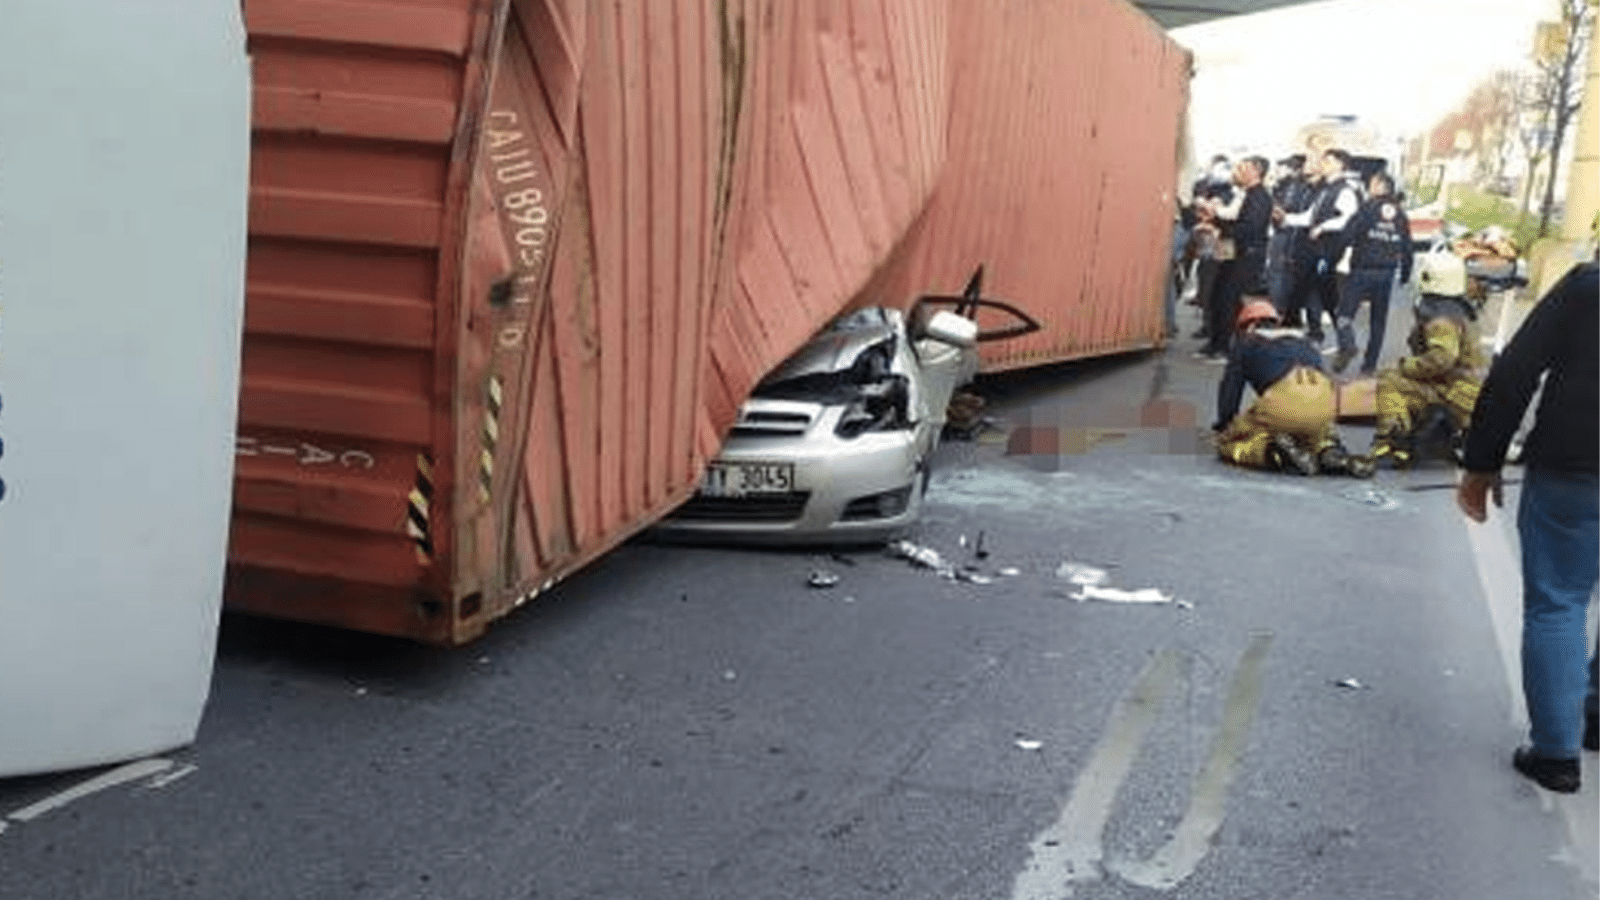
point(1322, 710)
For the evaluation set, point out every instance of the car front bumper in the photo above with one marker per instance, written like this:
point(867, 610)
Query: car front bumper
point(863, 490)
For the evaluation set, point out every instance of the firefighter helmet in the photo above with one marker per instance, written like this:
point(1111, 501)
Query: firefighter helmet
point(1256, 311)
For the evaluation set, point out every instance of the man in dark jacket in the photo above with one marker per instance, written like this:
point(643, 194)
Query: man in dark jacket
point(1558, 518)
point(1247, 221)
point(1378, 244)
point(1338, 200)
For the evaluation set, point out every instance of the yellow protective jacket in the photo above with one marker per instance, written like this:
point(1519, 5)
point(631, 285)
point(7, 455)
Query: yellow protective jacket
point(1443, 349)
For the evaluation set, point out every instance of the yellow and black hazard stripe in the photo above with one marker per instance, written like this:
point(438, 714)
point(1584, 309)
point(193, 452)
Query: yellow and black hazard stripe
point(491, 437)
point(417, 510)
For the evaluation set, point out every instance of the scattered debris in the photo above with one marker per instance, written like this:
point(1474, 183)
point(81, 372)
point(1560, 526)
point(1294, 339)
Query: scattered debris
point(849, 599)
point(821, 579)
point(1116, 595)
point(361, 692)
point(1350, 684)
point(1028, 744)
point(1372, 497)
point(729, 675)
point(972, 577)
point(979, 551)
point(1078, 573)
point(927, 557)
point(962, 542)
point(1009, 572)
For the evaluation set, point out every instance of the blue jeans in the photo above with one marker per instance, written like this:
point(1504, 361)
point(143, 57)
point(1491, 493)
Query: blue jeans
point(1558, 521)
point(1374, 287)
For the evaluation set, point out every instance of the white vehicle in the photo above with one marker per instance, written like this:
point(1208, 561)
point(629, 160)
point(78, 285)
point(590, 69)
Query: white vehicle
point(833, 445)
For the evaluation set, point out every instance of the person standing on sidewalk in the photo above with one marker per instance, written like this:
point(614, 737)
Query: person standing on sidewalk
point(1248, 220)
point(1558, 517)
point(1371, 249)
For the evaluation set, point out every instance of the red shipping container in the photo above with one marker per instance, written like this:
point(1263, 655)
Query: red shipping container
point(514, 265)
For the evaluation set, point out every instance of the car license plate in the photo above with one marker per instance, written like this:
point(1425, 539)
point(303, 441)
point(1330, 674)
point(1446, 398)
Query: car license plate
point(747, 479)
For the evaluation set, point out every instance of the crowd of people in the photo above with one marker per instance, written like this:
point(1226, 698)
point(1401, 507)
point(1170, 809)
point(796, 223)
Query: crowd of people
point(1312, 236)
point(1271, 267)
point(1267, 264)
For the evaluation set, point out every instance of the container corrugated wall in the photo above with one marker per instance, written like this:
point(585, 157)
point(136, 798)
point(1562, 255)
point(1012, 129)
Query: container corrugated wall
point(1064, 130)
point(514, 265)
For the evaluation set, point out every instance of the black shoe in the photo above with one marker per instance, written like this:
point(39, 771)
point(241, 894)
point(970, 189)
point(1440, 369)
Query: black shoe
point(1341, 361)
point(1291, 457)
point(1335, 460)
point(1559, 775)
point(1591, 731)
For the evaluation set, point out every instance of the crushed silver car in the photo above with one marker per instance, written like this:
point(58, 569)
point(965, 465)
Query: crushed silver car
point(833, 445)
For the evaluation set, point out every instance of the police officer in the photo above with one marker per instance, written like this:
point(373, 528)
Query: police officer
point(1339, 198)
point(1290, 427)
point(1372, 248)
point(1443, 372)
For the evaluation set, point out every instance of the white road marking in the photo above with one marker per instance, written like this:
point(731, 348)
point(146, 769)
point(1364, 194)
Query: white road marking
point(1208, 799)
point(166, 778)
point(1069, 851)
point(121, 775)
point(1500, 574)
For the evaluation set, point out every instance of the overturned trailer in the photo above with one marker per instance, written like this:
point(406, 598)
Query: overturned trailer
point(514, 264)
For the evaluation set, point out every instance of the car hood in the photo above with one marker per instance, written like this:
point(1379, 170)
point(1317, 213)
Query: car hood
point(839, 347)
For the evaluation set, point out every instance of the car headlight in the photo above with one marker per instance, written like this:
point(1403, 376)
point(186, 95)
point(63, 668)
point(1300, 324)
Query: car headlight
point(884, 406)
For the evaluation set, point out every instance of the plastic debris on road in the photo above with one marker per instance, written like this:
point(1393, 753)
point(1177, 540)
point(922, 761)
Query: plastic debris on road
point(1009, 572)
point(927, 557)
point(1078, 573)
point(1116, 595)
point(1350, 684)
point(1027, 744)
point(821, 579)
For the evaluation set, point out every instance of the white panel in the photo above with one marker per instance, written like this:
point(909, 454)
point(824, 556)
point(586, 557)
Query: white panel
point(124, 144)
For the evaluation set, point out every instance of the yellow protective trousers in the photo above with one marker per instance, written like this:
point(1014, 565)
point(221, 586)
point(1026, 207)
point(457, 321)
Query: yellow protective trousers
point(1400, 400)
point(1300, 404)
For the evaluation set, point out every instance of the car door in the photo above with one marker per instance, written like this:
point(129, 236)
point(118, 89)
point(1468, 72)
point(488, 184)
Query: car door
point(945, 367)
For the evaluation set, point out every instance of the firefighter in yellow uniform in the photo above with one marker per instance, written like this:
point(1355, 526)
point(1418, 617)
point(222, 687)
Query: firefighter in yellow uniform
point(1442, 375)
point(1290, 427)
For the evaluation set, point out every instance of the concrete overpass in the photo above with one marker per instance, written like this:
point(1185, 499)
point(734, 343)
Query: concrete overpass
point(1176, 13)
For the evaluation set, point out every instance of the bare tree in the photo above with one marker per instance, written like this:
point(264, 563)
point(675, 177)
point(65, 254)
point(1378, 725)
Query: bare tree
point(1501, 104)
point(1557, 88)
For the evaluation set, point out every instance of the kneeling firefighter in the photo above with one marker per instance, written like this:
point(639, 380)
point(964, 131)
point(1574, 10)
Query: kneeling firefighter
point(1290, 427)
point(1434, 388)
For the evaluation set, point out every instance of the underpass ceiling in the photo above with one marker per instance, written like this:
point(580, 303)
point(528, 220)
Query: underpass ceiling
point(1176, 13)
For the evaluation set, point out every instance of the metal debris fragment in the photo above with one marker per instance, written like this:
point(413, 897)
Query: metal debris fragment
point(821, 579)
point(1350, 684)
